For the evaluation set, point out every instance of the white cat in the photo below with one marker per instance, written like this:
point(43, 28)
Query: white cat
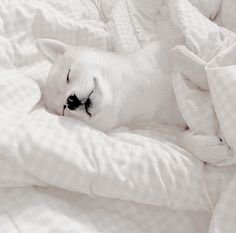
point(107, 90)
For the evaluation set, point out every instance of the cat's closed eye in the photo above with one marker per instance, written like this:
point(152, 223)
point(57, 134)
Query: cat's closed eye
point(68, 77)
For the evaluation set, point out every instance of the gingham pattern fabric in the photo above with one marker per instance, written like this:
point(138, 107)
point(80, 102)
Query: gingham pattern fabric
point(221, 77)
point(74, 22)
point(143, 166)
point(223, 219)
point(121, 29)
point(51, 209)
point(195, 106)
point(217, 180)
point(92, 162)
point(209, 8)
point(18, 97)
point(133, 24)
point(204, 38)
point(54, 210)
point(227, 14)
point(195, 27)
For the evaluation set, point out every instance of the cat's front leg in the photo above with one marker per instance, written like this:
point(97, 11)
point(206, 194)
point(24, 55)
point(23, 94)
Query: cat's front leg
point(208, 148)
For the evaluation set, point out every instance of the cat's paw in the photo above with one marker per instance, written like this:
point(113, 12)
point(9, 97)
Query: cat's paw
point(207, 148)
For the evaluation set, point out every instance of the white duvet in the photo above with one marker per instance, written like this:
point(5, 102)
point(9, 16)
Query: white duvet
point(59, 175)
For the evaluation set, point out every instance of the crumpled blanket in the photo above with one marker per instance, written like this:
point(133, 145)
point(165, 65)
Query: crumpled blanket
point(140, 164)
point(206, 111)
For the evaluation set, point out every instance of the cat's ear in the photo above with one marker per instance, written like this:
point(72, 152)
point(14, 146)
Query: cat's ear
point(51, 49)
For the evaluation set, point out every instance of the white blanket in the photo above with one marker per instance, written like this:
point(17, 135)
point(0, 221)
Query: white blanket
point(130, 180)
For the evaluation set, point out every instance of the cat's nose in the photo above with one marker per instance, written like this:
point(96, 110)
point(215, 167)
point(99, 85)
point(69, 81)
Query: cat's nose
point(73, 102)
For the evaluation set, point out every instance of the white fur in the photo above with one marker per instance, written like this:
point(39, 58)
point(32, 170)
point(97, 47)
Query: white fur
point(207, 148)
point(127, 88)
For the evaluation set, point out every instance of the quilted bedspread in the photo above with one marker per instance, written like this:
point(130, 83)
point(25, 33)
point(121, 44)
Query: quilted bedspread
point(59, 175)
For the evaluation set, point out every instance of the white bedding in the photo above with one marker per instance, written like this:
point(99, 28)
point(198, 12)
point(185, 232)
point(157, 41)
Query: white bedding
point(59, 175)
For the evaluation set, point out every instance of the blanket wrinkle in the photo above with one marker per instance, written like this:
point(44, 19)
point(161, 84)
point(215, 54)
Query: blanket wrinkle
point(210, 42)
point(137, 178)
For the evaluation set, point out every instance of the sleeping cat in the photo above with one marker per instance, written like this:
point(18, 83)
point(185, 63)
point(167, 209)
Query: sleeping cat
point(107, 90)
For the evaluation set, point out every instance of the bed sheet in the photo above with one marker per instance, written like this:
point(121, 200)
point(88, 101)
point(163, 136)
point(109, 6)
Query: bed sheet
point(134, 179)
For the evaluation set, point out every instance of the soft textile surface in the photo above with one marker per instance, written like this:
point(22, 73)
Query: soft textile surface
point(207, 112)
point(136, 178)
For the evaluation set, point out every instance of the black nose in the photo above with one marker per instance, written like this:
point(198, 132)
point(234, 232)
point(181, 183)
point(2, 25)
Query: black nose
point(73, 102)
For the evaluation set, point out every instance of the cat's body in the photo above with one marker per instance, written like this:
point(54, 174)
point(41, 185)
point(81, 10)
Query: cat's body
point(107, 90)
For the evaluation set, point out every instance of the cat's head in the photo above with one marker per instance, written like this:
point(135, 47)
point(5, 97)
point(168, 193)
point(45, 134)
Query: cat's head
point(78, 84)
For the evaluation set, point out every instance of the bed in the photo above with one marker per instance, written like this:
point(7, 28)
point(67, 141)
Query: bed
point(59, 175)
